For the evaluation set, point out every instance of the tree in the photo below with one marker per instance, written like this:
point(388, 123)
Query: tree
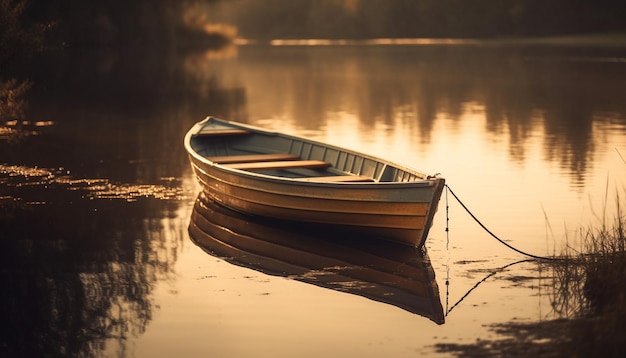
point(18, 37)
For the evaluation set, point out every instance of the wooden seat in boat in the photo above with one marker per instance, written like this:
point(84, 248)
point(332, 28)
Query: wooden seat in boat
point(338, 179)
point(249, 158)
point(285, 164)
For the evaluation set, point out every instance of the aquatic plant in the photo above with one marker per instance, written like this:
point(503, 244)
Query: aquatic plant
point(602, 324)
point(587, 294)
point(588, 288)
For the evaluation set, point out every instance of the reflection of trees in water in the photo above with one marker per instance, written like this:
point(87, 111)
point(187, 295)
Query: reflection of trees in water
point(77, 277)
point(78, 270)
point(520, 91)
point(520, 97)
point(117, 115)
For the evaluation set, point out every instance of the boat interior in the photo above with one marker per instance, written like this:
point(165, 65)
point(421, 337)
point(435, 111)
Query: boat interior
point(286, 156)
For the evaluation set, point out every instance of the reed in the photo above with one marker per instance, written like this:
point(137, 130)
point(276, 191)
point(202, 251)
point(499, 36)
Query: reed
point(604, 264)
point(589, 287)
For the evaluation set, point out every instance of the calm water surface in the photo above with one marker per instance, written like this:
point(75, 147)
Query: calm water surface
point(96, 194)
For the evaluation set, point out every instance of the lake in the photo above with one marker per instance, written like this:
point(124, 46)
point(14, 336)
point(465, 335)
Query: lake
point(96, 193)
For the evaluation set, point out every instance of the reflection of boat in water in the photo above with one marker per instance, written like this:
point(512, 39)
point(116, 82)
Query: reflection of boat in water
point(286, 177)
point(395, 274)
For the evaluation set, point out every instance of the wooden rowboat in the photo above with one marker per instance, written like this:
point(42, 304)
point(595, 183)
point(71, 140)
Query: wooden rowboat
point(282, 176)
point(390, 273)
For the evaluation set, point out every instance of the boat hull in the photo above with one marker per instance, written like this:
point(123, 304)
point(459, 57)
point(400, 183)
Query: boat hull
point(397, 210)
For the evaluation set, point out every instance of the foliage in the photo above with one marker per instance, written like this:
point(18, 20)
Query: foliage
point(18, 37)
point(160, 23)
point(11, 101)
point(148, 23)
point(12, 106)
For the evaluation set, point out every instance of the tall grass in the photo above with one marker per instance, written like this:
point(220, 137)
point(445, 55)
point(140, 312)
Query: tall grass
point(604, 263)
point(589, 295)
point(590, 286)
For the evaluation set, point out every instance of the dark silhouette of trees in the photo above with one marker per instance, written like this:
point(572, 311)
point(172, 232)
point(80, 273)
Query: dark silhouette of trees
point(423, 18)
point(19, 36)
point(149, 23)
point(159, 23)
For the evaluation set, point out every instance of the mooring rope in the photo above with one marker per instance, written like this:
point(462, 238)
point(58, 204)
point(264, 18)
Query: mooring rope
point(448, 189)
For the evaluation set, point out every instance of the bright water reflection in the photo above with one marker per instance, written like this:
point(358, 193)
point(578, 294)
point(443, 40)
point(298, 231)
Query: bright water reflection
point(96, 205)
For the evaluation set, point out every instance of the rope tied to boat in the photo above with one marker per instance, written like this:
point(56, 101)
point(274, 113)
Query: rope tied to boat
point(448, 189)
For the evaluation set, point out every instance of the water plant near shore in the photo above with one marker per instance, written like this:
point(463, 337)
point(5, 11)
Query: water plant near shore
point(599, 273)
point(588, 296)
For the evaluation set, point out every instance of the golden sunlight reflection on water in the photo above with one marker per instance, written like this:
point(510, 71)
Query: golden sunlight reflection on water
point(214, 306)
point(522, 165)
point(534, 147)
point(520, 197)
